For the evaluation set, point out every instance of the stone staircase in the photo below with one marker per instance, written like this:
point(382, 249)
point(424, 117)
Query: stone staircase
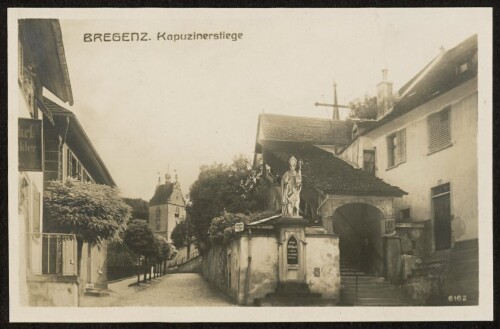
point(294, 294)
point(361, 289)
point(448, 277)
point(462, 280)
point(96, 290)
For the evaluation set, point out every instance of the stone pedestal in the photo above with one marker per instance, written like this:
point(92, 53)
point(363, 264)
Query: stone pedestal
point(292, 251)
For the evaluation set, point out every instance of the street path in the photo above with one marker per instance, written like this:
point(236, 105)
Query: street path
point(176, 289)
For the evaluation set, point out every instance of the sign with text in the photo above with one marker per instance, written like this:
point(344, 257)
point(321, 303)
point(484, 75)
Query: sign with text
point(292, 251)
point(30, 144)
point(238, 227)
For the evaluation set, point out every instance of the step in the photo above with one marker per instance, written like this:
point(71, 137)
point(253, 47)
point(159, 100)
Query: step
point(279, 299)
point(464, 265)
point(465, 253)
point(95, 292)
point(361, 279)
point(352, 273)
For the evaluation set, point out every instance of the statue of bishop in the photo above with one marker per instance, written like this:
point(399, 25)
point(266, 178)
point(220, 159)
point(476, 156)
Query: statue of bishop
point(291, 184)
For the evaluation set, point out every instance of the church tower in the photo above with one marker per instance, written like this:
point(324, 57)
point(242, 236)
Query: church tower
point(167, 207)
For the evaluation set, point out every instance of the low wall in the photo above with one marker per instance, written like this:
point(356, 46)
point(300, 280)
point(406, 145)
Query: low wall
point(53, 291)
point(191, 266)
point(323, 265)
point(214, 267)
point(227, 267)
point(116, 272)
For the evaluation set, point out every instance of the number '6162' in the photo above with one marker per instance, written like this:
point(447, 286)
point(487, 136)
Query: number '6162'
point(457, 298)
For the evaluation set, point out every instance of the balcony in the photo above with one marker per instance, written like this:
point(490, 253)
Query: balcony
point(52, 254)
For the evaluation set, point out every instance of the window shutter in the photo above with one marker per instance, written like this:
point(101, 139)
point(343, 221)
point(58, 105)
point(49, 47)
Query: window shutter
point(439, 129)
point(401, 140)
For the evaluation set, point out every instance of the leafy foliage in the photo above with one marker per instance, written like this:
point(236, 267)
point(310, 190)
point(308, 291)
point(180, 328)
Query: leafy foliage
point(219, 188)
point(141, 240)
point(221, 228)
point(140, 208)
point(364, 108)
point(119, 254)
point(166, 250)
point(184, 229)
point(92, 212)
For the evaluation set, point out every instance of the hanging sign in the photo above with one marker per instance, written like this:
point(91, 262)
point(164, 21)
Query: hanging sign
point(292, 251)
point(238, 227)
point(30, 144)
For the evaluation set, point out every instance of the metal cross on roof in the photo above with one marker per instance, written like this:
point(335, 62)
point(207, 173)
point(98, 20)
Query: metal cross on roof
point(335, 104)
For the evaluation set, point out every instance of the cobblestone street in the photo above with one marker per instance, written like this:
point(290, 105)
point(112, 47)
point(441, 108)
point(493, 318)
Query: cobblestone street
point(178, 289)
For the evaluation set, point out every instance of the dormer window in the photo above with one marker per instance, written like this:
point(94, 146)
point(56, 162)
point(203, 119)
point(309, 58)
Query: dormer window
point(462, 68)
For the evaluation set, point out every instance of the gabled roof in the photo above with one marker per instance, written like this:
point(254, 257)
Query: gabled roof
point(303, 129)
point(325, 172)
point(68, 126)
point(162, 194)
point(435, 79)
point(43, 48)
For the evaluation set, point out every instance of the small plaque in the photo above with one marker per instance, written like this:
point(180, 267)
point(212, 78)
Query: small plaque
point(292, 251)
point(238, 227)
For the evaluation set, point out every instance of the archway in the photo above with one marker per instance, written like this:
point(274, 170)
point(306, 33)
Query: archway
point(360, 227)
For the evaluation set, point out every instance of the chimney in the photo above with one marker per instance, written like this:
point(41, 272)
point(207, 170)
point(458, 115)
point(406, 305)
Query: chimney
point(384, 95)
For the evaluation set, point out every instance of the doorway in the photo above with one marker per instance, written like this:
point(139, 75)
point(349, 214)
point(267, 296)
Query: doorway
point(442, 216)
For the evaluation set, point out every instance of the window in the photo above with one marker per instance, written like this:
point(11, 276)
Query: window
point(369, 161)
point(439, 130)
point(405, 214)
point(76, 170)
point(158, 216)
point(177, 212)
point(396, 148)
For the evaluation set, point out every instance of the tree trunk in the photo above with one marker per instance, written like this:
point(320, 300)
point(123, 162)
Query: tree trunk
point(138, 271)
point(79, 250)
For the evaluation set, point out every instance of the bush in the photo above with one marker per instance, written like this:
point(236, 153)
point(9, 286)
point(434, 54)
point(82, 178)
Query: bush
point(221, 229)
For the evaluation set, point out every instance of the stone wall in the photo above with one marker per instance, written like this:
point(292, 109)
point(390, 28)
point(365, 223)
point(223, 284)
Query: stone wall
point(227, 267)
point(322, 265)
point(53, 291)
point(191, 266)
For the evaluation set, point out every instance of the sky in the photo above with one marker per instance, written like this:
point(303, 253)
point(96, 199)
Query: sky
point(157, 106)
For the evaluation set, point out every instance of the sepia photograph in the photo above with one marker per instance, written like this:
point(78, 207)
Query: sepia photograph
point(251, 164)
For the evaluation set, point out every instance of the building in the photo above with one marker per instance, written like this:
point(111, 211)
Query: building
point(426, 143)
point(52, 146)
point(400, 191)
point(167, 207)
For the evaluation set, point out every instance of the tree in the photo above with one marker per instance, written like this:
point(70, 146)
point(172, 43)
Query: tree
point(141, 240)
point(220, 187)
point(166, 250)
point(183, 233)
point(364, 108)
point(140, 208)
point(93, 212)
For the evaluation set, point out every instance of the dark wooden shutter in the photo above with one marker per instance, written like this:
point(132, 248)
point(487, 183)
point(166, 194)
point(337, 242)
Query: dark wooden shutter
point(439, 129)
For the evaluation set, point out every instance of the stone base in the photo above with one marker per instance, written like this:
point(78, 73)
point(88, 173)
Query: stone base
point(291, 221)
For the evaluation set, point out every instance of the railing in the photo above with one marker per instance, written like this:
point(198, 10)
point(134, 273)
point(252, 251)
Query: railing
point(52, 253)
point(182, 260)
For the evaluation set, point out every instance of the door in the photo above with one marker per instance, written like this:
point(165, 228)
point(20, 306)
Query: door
point(442, 217)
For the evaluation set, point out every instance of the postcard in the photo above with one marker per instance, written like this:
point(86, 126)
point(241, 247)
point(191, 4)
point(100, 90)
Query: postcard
point(256, 165)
